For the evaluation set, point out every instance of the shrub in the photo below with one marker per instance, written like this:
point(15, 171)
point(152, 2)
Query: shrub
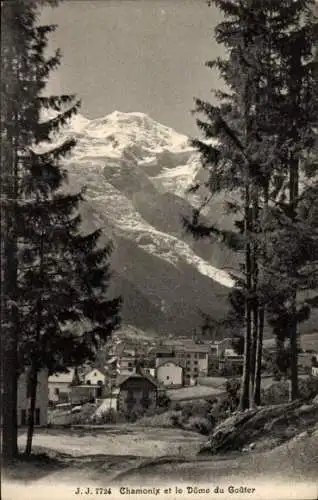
point(212, 401)
point(233, 389)
point(187, 411)
point(308, 388)
point(134, 415)
point(275, 394)
point(221, 410)
point(108, 417)
point(150, 412)
point(201, 425)
point(231, 370)
point(176, 406)
point(84, 416)
point(176, 419)
point(163, 401)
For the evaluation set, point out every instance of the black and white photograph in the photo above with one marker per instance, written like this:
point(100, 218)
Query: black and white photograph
point(159, 249)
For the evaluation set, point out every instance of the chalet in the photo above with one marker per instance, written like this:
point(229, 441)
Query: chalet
point(95, 377)
point(170, 374)
point(23, 399)
point(137, 392)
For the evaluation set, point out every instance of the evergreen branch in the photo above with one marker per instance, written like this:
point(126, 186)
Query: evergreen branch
point(54, 124)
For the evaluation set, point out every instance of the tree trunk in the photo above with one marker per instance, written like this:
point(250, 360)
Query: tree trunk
point(254, 277)
point(35, 360)
point(9, 347)
point(261, 306)
point(296, 86)
point(294, 354)
point(33, 387)
point(9, 400)
point(245, 386)
point(255, 328)
point(259, 355)
point(245, 390)
point(293, 198)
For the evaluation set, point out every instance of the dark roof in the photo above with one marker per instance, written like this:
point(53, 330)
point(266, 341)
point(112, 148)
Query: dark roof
point(123, 378)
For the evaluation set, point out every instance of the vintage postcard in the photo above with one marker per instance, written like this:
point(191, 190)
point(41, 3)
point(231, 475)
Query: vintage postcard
point(159, 243)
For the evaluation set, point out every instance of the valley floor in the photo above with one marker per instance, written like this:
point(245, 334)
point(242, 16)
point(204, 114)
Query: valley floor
point(128, 456)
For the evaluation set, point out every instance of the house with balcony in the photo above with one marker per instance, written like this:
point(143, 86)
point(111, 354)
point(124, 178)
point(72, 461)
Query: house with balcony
point(138, 392)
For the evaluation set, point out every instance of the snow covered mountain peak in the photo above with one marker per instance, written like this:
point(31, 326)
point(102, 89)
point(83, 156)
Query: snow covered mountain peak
point(137, 173)
point(121, 138)
point(127, 129)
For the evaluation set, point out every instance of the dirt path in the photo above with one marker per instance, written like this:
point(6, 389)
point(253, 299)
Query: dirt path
point(119, 440)
point(287, 472)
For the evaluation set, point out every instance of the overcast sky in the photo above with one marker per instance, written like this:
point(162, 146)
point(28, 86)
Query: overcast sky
point(136, 55)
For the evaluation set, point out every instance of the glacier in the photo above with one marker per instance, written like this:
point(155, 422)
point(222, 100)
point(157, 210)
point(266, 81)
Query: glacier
point(145, 149)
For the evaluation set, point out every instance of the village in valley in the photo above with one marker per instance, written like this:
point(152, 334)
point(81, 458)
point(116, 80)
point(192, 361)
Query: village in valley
point(132, 377)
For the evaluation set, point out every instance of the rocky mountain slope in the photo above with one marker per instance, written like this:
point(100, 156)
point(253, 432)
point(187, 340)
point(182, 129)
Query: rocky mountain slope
point(137, 173)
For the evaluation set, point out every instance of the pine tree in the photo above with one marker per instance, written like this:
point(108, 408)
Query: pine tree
point(17, 19)
point(255, 153)
point(235, 164)
point(67, 272)
point(62, 275)
point(63, 295)
point(293, 246)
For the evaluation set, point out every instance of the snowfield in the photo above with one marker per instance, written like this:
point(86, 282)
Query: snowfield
point(137, 173)
point(124, 149)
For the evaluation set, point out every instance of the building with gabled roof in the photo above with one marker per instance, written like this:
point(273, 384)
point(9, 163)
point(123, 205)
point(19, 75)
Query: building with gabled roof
point(95, 376)
point(138, 392)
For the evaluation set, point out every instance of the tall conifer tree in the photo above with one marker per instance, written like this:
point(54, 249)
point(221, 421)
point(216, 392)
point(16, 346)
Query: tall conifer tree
point(253, 156)
point(16, 37)
point(61, 275)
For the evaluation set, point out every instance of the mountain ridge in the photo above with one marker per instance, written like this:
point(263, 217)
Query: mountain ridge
point(137, 173)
